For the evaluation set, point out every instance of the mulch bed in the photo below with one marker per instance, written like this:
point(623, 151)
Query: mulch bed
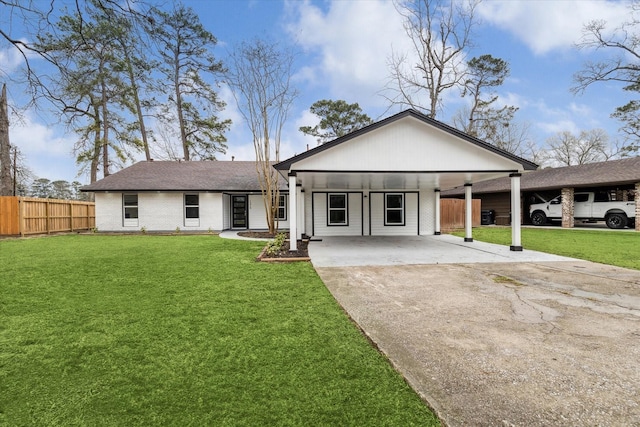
point(284, 254)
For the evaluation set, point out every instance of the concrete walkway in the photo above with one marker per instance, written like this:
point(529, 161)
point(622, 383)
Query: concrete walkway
point(233, 234)
point(534, 342)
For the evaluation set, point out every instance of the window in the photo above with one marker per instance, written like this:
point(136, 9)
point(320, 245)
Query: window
point(192, 209)
point(601, 196)
point(581, 197)
point(337, 209)
point(191, 206)
point(394, 209)
point(130, 209)
point(281, 212)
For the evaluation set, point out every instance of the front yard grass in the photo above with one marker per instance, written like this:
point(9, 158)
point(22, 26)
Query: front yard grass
point(607, 247)
point(182, 331)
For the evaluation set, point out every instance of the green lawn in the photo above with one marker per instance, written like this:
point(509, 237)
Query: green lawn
point(607, 247)
point(182, 331)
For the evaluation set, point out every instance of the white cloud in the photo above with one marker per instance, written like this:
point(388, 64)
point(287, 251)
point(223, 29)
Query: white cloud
point(302, 141)
point(10, 60)
point(353, 41)
point(47, 154)
point(547, 25)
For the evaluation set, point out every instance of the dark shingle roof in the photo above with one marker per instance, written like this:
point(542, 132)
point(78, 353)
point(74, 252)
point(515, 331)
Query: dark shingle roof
point(613, 172)
point(183, 176)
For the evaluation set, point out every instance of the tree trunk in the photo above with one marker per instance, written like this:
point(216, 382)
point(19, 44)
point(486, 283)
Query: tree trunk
point(105, 132)
point(95, 162)
point(136, 99)
point(5, 147)
point(183, 131)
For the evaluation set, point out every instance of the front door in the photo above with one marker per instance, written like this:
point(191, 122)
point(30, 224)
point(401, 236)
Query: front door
point(239, 212)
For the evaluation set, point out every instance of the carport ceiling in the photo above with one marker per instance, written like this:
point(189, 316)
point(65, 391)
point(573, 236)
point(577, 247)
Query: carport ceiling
point(392, 180)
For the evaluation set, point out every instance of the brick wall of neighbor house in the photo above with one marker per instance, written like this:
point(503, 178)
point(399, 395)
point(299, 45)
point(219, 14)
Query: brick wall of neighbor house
point(158, 212)
point(567, 208)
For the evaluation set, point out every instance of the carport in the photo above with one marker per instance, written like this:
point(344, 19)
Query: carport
point(385, 180)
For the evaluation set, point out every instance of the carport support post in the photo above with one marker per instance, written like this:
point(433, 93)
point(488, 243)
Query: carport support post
point(300, 219)
point(437, 212)
point(293, 213)
point(468, 214)
point(516, 215)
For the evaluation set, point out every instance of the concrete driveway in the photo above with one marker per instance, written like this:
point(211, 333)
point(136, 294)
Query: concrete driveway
point(492, 341)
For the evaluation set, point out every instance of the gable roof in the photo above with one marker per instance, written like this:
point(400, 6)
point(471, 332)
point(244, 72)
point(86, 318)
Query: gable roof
point(612, 172)
point(286, 164)
point(212, 175)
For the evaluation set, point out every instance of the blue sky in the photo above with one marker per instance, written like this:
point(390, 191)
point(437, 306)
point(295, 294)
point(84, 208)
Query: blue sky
point(344, 48)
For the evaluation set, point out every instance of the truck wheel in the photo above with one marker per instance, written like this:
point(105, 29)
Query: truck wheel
point(538, 218)
point(616, 220)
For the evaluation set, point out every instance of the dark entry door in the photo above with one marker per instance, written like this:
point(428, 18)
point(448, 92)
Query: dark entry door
point(239, 211)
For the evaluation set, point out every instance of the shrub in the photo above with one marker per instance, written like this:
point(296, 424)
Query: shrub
point(275, 246)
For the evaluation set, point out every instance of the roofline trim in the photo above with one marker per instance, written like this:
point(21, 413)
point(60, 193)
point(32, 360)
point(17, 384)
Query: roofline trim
point(406, 171)
point(174, 191)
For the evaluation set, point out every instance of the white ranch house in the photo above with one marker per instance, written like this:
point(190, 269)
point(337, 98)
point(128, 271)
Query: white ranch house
point(384, 179)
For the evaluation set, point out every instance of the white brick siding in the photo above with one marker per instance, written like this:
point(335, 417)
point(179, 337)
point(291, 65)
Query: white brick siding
point(257, 216)
point(159, 212)
point(354, 212)
point(427, 200)
point(410, 226)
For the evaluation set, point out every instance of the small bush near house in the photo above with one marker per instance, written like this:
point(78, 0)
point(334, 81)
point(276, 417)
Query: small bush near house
point(136, 330)
point(275, 246)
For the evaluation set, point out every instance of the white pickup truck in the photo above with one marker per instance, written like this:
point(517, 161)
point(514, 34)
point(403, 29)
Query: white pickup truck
point(588, 206)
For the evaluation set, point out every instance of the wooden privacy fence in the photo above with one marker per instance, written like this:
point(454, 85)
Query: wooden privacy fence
point(452, 213)
point(27, 215)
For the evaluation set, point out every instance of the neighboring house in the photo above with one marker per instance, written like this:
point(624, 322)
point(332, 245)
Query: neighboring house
point(192, 196)
point(384, 179)
point(620, 178)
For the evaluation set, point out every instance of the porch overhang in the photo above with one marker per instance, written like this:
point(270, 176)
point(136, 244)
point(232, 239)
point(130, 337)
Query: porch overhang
point(392, 180)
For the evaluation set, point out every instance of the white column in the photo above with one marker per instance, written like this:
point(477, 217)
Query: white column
point(293, 213)
point(437, 212)
point(468, 214)
point(516, 215)
point(300, 220)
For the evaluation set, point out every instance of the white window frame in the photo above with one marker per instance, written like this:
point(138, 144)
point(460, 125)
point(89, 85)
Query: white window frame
point(130, 221)
point(283, 203)
point(400, 209)
point(331, 209)
point(191, 222)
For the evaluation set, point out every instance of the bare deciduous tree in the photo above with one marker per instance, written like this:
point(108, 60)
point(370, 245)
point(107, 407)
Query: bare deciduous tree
point(623, 66)
point(440, 31)
point(568, 149)
point(260, 77)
